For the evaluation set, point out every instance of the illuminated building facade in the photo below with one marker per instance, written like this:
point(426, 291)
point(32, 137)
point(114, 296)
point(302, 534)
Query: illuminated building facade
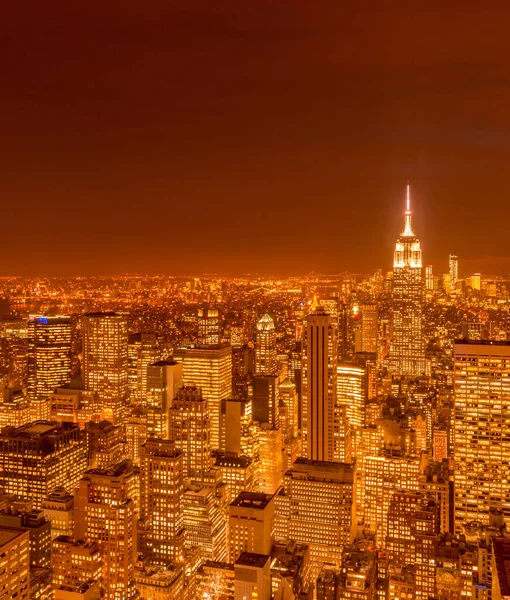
point(265, 347)
point(49, 354)
point(238, 472)
point(143, 350)
point(482, 430)
point(251, 524)
point(37, 457)
point(75, 562)
point(429, 278)
point(205, 523)
point(105, 513)
point(15, 570)
point(161, 490)
point(189, 429)
point(369, 328)
point(238, 435)
point(208, 327)
point(14, 408)
point(164, 378)
point(270, 459)
point(384, 475)
point(266, 399)
point(136, 433)
point(211, 370)
point(105, 444)
point(351, 385)
point(105, 361)
point(58, 508)
point(453, 263)
point(407, 354)
point(74, 405)
point(319, 387)
point(317, 507)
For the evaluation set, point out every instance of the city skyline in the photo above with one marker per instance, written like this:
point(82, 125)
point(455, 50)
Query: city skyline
point(254, 301)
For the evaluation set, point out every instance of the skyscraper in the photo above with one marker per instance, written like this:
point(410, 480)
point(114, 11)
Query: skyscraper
point(319, 388)
point(105, 361)
point(369, 328)
point(189, 429)
point(105, 513)
point(208, 327)
point(265, 347)
point(164, 378)
point(317, 507)
point(453, 263)
point(407, 354)
point(37, 457)
point(49, 354)
point(211, 370)
point(161, 490)
point(482, 430)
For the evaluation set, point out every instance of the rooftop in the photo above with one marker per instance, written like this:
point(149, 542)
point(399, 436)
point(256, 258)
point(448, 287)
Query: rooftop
point(7, 535)
point(250, 559)
point(252, 500)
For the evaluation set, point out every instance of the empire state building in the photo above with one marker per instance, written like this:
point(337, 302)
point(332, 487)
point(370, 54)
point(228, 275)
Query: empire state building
point(407, 352)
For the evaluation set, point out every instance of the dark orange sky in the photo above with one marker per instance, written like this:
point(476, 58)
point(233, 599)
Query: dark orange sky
point(264, 136)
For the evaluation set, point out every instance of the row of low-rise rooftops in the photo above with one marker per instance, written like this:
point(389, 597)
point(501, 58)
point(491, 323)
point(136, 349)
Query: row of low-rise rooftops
point(39, 437)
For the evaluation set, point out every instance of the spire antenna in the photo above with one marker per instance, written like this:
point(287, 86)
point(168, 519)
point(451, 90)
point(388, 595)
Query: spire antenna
point(408, 232)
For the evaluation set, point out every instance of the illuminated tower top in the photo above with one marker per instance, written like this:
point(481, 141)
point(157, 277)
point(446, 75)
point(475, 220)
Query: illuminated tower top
point(407, 249)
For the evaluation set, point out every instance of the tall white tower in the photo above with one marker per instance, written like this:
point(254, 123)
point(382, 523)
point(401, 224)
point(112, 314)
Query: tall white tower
point(407, 353)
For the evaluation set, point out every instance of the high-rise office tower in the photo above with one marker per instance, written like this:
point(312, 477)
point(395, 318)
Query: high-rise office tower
point(351, 385)
point(161, 489)
point(15, 572)
point(211, 370)
point(251, 524)
point(37, 457)
point(238, 432)
point(208, 327)
point(384, 475)
point(265, 347)
point(105, 513)
point(164, 378)
point(143, 350)
point(453, 263)
point(482, 430)
point(266, 399)
point(49, 354)
point(369, 328)
point(189, 429)
point(205, 523)
point(105, 361)
point(317, 507)
point(424, 531)
point(429, 278)
point(319, 387)
point(407, 355)
point(270, 459)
